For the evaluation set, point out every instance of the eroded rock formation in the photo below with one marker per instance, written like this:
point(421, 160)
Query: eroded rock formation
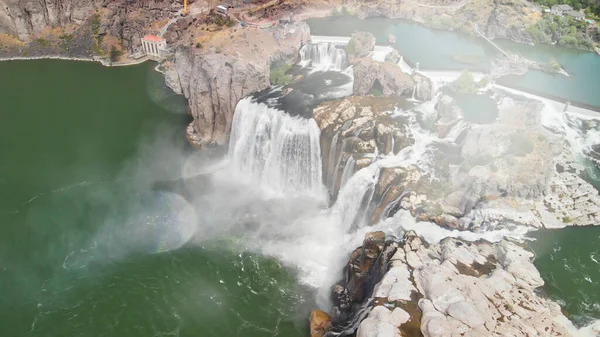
point(361, 45)
point(459, 288)
point(410, 287)
point(124, 20)
point(215, 78)
point(380, 79)
point(474, 177)
point(366, 267)
point(353, 131)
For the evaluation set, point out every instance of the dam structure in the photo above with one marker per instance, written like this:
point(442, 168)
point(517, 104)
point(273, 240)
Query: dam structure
point(442, 77)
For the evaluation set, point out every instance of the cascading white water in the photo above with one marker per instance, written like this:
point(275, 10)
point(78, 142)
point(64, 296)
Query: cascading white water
point(279, 151)
point(569, 123)
point(323, 57)
point(352, 197)
point(457, 130)
point(348, 170)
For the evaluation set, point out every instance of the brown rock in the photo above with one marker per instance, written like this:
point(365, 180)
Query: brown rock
point(320, 323)
point(361, 44)
point(382, 78)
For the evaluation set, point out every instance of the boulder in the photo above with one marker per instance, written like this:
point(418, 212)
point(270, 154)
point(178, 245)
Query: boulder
point(467, 288)
point(380, 78)
point(448, 115)
point(361, 45)
point(320, 323)
point(424, 87)
point(393, 57)
point(366, 267)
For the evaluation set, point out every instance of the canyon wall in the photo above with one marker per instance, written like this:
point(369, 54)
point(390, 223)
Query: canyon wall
point(217, 76)
point(124, 20)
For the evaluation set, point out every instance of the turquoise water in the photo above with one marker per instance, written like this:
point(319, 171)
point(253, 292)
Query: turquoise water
point(434, 49)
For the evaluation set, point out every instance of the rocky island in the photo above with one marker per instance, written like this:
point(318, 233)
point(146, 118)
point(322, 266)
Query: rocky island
point(389, 147)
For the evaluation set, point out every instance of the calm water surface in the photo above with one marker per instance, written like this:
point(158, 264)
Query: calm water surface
point(89, 246)
point(435, 49)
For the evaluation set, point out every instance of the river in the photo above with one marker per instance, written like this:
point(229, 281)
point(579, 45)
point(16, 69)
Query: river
point(436, 49)
point(111, 225)
point(94, 241)
point(567, 259)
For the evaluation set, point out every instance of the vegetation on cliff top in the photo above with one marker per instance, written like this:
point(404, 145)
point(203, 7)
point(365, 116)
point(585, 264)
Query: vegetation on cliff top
point(466, 84)
point(563, 30)
point(279, 74)
point(592, 6)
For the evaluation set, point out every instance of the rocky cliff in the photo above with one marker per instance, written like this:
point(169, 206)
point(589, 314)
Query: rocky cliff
point(495, 18)
point(215, 77)
point(58, 22)
point(448, 288)
point(467, 177)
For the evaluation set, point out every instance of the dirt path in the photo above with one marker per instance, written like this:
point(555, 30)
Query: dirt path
point(451, 6)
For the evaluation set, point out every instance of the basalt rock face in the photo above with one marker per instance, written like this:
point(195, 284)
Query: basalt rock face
point(460, 288)
point(366, 267)
point(213, 84)
point(361, 45)
point(495, 18)
point(380, 78)
point(215, 79)
point(473, 177)
point(353, 131)
point(124, 20)
point(25, 17)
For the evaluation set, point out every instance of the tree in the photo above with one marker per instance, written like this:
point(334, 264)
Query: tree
point(114, 54)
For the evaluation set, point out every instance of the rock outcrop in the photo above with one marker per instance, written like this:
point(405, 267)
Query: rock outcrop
point(320, 323)
point(361, 45)
point(124, 20)
point(460, 288)
point(380, 78)
point(353, 131)
point(450, 288)
point(474, 177)
point(215, 78)
point(494, 18)
point(366, 267)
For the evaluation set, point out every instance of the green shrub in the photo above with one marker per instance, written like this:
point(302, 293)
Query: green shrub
point(279, 75)
point(42, 42)
point(377, 92)
point(114, 54)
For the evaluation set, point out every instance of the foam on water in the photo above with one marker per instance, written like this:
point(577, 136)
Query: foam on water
point(569, 122)
point(433, 233)
point(323, 57)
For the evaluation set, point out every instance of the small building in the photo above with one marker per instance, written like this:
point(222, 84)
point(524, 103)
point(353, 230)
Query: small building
point(560, 9)
point(575, 15)
point(154, 46)
point(222, 9)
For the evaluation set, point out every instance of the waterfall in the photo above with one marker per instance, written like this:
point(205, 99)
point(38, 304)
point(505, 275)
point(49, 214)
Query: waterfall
point(348, 170)
point(457, 130)
point(354, 198)
point(277, 150)
point(413, 93)
point(323, 57)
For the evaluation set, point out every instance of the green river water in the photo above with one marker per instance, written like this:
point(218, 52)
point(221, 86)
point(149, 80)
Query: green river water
point(88, 246)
